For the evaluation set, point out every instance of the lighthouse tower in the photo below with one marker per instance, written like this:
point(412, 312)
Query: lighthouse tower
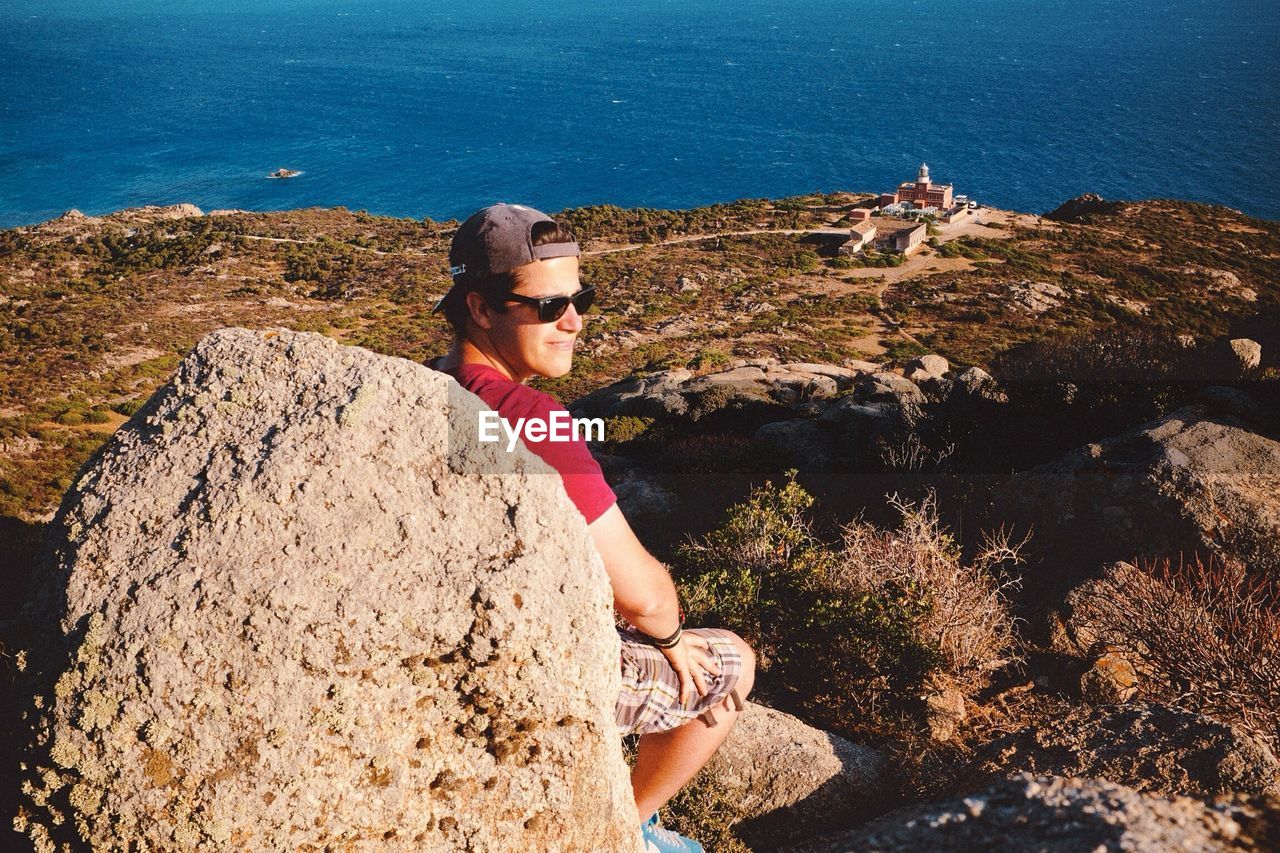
point(922, 179)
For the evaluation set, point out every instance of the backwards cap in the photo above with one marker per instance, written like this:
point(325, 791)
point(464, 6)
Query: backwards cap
point(496, 240)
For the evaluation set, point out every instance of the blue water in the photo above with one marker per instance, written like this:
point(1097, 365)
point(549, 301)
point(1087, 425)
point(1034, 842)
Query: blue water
point(435, 107)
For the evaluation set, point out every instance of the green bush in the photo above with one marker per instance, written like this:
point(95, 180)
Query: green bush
point(804, 261)
point(709, 358)
point(127, 407)
point(623, 428)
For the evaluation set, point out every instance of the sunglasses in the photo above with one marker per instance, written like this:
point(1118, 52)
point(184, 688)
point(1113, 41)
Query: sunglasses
point(552, 308)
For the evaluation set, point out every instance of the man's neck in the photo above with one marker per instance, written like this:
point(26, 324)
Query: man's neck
point(465, 352)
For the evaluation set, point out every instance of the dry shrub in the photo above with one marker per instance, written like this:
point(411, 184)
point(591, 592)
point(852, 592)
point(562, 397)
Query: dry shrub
point(854, 635)
point(1204, 635)
point(968, 619)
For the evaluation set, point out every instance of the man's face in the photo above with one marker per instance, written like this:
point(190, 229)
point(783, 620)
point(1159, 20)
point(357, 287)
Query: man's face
point(531, 347)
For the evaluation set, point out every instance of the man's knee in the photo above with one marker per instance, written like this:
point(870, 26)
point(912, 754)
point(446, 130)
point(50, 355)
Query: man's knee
point(748, 676)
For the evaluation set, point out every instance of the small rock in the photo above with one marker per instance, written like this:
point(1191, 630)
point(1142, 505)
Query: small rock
point(930, 365)
point(1111, 680)
point(945, 711)
point(1247, 351)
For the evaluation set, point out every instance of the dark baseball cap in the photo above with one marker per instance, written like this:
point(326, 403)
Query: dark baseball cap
point(497, 239)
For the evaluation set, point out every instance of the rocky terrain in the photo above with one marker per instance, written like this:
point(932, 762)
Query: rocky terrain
point(1096, 386)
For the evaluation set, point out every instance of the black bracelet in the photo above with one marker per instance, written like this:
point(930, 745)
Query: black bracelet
point(667, 642)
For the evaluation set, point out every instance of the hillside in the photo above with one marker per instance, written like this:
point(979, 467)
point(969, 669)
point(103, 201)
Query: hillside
point(96, 311)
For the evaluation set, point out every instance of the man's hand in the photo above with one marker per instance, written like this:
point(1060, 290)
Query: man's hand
point(692, 660)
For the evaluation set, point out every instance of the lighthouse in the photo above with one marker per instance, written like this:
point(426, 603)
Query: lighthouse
point(921, 193)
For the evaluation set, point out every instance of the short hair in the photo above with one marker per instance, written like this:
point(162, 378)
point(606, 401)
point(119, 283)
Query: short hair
point(494, 287)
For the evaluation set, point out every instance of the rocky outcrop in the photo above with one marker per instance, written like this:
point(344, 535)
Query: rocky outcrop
point(803, 387)
point(1148, 747)
point(293, 604)
point(1194, 480)
point(1034, 297)
point(786, 778)
point(1056, 815)
point(1084, 209)
point(975, 383)
point(672, 392)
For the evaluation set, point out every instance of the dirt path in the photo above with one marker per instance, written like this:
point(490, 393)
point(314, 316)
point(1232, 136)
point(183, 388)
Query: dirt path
point(314, 242)
point(693, 238)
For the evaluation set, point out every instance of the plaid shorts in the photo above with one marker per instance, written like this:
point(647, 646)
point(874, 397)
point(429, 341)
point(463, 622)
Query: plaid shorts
point(650, 697)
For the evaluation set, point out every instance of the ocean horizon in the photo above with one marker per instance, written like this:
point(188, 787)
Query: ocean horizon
point(432, 110)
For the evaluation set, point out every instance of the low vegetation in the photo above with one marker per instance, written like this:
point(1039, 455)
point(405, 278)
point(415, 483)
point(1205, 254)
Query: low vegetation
point(855, 633)
point(1204, 634)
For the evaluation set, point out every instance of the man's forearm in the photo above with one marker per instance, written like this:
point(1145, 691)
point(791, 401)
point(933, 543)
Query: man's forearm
point(643, 592)
point(659, 617)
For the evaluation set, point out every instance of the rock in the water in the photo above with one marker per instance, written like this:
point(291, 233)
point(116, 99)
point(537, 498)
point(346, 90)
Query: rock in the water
point(290, 607)
point(1053, 815)
point(1194, 480)
point(789, 779)
point(1149, 747)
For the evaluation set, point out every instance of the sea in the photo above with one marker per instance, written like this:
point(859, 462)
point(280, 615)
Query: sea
point(432, 108)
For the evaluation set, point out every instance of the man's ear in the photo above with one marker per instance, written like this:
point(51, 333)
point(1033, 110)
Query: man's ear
point(480, 311)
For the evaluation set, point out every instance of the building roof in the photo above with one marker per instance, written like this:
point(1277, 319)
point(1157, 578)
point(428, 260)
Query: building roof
point(913, 187)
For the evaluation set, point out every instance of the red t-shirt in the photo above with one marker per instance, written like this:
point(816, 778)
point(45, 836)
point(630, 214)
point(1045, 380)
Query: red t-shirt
point(583, 480)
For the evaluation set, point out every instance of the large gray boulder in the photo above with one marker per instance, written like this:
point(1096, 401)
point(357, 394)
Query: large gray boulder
point(1194, 480)
point(787, 778)
point(677, 392)
point(926, 367)
point(1049, 814)
point(1148, 747)
point(292, 604)
point(887, 387)
point(799, 442)
point(653, 395)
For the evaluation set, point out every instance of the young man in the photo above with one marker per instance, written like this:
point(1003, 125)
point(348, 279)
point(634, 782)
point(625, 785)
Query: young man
point(515, 308)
